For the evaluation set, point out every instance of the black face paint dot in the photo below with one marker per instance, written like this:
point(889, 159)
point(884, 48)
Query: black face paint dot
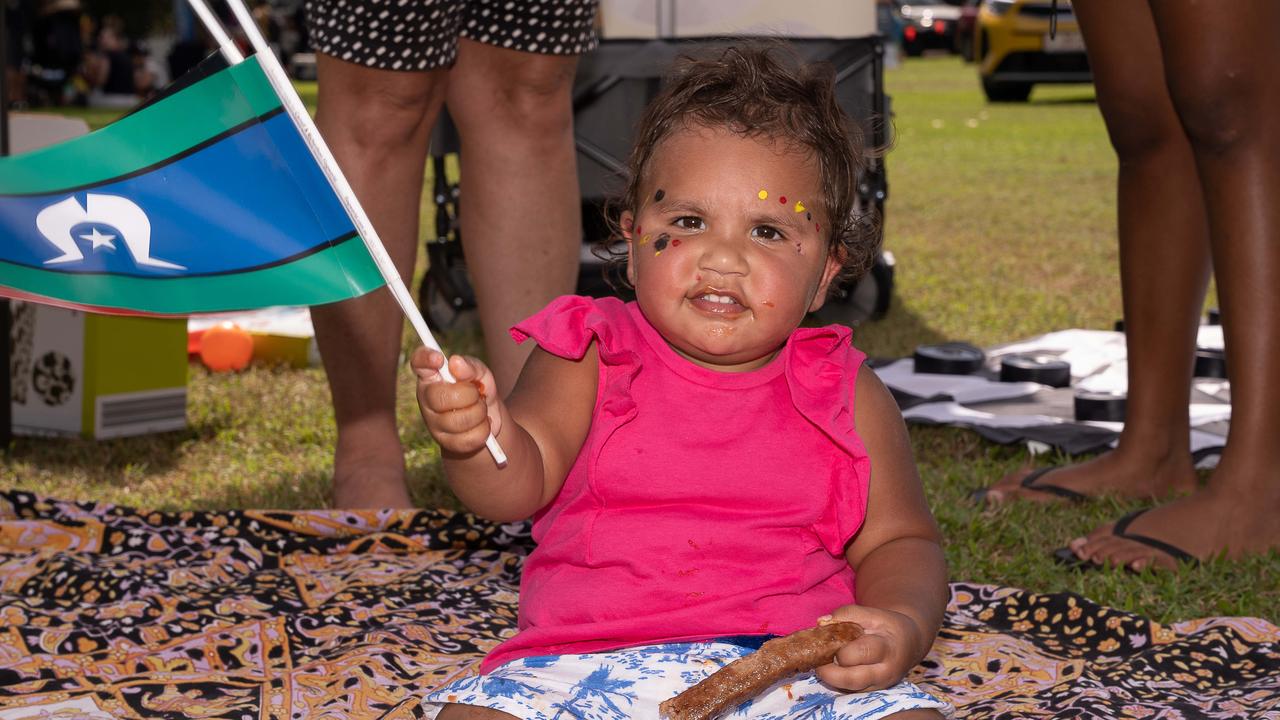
point(808, 216)
point(657, 197)
point(661, 243)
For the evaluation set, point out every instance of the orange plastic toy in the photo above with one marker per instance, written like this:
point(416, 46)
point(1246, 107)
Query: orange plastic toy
point(226, 346)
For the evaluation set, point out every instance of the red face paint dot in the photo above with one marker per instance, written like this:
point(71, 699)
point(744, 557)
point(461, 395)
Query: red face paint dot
point(675, 243)
point(782, 200)
point(638, 229)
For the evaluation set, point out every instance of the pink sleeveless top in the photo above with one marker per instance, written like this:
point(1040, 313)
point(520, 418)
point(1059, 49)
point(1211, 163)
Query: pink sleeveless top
point(703, 504)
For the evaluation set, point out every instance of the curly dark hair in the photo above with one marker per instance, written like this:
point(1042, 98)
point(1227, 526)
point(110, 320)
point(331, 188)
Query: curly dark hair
point(761, 90)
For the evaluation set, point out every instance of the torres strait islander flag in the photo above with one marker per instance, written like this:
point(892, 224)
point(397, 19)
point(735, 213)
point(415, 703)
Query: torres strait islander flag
point(206, 200)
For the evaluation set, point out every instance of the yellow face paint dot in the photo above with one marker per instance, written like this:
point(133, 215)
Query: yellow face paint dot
point(763, 194)
point(644, 239)
point(799, 206)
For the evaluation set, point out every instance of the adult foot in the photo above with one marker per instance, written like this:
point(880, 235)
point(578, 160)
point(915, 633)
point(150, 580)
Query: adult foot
point(1115, 473)
point(368, 465)
point(372, 488)
point(1204, 524)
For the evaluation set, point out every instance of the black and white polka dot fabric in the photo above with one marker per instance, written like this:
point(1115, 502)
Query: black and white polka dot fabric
point(423, 34)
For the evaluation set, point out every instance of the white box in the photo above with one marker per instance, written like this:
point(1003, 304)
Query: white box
point(650, 19)
point(97, 376)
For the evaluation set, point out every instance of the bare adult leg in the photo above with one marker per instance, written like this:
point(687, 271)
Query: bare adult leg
point(378, 123)
point(1164, 262)
point(1221, 77)
point(521, 215)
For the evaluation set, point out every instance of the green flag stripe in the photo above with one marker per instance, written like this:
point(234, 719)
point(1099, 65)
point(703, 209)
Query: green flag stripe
point(336, 273)
point(172, 126)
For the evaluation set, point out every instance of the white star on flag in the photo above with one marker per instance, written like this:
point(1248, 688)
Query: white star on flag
point(99, 240)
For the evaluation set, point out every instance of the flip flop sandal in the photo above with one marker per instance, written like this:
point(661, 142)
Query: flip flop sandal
point(1067, 556)
point(979, 496)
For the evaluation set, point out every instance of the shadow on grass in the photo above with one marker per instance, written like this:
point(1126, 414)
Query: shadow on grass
point(161, 452)
point(896, 334)
point(1088, 99)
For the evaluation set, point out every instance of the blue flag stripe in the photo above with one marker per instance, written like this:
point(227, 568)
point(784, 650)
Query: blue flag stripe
point(154, 166)
point(225, 208)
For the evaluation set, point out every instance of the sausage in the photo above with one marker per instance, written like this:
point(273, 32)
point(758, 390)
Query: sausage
point(748, 676)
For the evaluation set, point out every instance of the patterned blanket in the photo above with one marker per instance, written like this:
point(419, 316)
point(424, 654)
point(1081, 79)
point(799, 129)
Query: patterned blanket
point(112, 612)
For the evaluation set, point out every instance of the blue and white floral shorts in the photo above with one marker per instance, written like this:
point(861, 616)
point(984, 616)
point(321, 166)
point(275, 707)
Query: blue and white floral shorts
point(630, 683)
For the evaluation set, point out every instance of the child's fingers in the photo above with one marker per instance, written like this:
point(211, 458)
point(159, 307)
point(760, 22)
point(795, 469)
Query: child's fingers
point(862, 678)
point(469, 369)
point(859, 665)
point(426, 364)
point(444, 397)
point(866, 650)
point(460, 419)
point(465, 443)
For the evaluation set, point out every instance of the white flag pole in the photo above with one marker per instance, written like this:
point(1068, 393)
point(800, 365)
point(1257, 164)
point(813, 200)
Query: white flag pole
point(329, 165)
point(210, 21)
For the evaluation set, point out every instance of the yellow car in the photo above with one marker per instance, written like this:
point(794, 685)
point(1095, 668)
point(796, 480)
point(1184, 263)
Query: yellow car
point(1015, 51)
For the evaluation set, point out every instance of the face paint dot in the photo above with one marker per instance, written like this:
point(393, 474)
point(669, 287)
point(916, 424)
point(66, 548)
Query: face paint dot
point(644, 239)
point(808, 216)
point(661, 243)
point(782, 199)
point(817, 226)
point(657, 197)
point(675, 242)
point(763, 194)
point(639, 229)
point(799, 206)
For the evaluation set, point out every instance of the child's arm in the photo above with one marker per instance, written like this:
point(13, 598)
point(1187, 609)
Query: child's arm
point(541, 426)
point(901, 575)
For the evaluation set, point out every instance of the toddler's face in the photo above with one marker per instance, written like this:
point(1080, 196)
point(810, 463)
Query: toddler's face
point(726, 251)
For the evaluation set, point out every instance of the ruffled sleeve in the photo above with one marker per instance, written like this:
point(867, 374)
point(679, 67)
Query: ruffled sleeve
point(822, 367)
point(567, 326)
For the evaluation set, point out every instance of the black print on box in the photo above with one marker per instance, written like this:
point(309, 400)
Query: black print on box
point(52, 378)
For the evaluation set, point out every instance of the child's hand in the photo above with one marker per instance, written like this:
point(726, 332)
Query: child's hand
point(459, 415)
point(880, 658)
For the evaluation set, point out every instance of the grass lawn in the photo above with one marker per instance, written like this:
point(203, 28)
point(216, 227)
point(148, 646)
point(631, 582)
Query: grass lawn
point(1002, 219)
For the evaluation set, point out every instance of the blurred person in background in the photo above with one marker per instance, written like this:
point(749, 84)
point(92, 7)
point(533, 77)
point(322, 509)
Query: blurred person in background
point(1189, 96)
point(505, 70)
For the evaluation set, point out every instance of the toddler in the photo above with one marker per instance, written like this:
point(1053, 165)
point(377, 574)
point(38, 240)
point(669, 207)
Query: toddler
point(703, 473)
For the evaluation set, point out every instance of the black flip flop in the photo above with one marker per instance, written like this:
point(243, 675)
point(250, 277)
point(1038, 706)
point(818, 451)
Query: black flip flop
point(979, 496)
point(1067, 556)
